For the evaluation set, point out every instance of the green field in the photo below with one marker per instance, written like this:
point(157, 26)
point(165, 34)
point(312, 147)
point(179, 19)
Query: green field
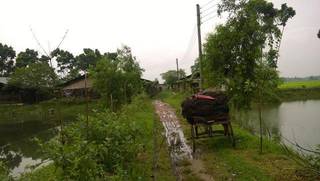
point(300, 84)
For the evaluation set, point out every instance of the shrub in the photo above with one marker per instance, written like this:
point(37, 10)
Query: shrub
point(105, 147)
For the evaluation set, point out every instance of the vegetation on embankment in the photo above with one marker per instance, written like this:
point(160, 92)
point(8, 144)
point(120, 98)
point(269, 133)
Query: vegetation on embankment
point(297, 94)
point(51, 111)
point(119, 146)
point(299, 90)
point(243, 162)
point(300, 84)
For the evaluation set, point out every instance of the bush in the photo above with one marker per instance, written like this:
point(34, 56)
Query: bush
point(4, 173)
point(105, 148)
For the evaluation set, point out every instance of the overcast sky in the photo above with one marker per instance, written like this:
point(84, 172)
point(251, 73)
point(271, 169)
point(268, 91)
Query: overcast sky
point(157, 31)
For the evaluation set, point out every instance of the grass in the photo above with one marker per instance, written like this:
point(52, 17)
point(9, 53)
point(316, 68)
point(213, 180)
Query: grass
point(292, 94)
point(243, 162)
point(141, 112)
point(301, 84)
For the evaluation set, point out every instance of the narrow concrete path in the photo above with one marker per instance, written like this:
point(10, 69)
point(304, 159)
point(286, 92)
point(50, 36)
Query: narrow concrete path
point(179, 149)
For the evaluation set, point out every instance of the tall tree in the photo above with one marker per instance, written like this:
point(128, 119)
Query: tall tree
point(242, 53)
point(67, 64)
point(26, 58)
point(7, 55)
point(88, 58)
point(34, 76)
point(118, 78)
point(171, 76)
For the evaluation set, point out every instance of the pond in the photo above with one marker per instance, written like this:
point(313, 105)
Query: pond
point(20, 124)
point(294, 123)
point(18, 149)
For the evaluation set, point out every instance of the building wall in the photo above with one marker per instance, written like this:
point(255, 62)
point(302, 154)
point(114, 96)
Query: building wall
point(80, 84)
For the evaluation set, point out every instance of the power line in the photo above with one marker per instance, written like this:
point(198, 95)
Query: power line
point(209, 8)
point(190, 44)
point(206, 4)
point(209, 19)
point(207, 14)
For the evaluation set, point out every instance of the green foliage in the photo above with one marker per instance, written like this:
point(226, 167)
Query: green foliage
point(34, 76)
point(66, 61)
point(171, 76)
point(300, 84)
point(240, 54)
point(152, 88)
point(88, 58)
point(117, 80)
point(26, 58)
point(104, 149)
point(7, 54)
point(4, 173)
point(196, 67)
point(224, 162)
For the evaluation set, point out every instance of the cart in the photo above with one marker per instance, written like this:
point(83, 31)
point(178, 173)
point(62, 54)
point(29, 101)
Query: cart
point(208, 123)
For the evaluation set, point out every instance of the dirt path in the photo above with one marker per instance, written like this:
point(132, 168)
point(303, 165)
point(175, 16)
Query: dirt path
point(180, 151)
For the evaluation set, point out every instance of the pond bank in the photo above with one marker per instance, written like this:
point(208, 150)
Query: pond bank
point(299, 94)
point(244, 162)
point(19, 124)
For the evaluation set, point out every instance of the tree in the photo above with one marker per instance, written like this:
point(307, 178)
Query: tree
point(36, 75)
point(196, 67)
point(67, 64)
point(118, 78)
point(88, 58)
point(7, 55)
point(171, 76)
point(26, 58)
point(37, 79)
point(242, 53)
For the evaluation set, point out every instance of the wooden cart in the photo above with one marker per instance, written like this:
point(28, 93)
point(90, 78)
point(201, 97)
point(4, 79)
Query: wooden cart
point(208, 123)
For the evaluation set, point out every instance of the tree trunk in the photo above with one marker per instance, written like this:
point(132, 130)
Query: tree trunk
point(260, 120)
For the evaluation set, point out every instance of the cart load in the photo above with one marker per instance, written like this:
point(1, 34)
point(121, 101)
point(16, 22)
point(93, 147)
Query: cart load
point(208, 105)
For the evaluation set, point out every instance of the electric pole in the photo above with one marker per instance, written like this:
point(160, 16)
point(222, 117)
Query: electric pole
point(177, 68)
point(199, 45)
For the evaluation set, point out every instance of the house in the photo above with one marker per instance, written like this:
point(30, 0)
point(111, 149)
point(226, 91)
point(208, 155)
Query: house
point(188, 83)
point(77, 86)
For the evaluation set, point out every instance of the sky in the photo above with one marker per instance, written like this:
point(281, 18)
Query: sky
point(157, 31)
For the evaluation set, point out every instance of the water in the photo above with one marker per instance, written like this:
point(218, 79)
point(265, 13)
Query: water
point(17, 147)
point(296, 122)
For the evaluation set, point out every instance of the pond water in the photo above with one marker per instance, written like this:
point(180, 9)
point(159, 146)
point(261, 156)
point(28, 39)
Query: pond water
point(295, 122)
point(17, 146)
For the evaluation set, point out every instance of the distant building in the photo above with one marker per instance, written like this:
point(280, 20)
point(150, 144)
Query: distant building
point(188, 83)
point(77, 86)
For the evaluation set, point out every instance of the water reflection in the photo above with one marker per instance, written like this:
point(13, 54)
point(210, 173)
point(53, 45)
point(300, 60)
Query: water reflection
point(17, 147)
point(298, 122)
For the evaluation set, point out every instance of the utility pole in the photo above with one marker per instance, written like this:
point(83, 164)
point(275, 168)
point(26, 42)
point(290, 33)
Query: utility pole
point(177, 68)
point(199, 45)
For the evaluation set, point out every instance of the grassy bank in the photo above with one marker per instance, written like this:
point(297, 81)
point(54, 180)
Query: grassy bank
point(244, 162)
point(297, 94)
point(47, 111)
point(299, 90)
point(149, 132)
point(300, 84)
